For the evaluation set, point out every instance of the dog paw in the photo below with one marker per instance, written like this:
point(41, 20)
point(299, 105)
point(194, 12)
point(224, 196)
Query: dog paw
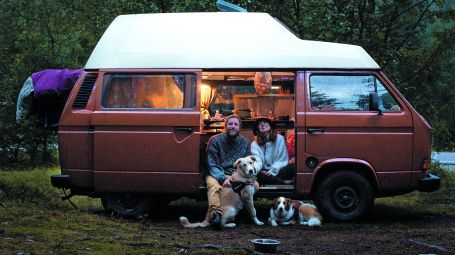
point(273, 223)
point(229, 225)
point(314, 222)
point(258, 222)
point(285, 223)
point(183, 221)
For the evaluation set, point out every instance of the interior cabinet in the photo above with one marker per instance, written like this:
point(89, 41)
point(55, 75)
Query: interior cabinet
point(262, 105)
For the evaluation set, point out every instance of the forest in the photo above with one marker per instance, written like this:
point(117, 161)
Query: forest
point(412, 41)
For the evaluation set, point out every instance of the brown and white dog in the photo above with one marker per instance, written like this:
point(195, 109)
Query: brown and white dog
point(231, 201)
point(285, 210)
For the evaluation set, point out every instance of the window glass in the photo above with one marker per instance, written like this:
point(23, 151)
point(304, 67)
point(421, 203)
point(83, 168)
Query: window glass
point(348, 93)
point(160, 91)
point(224, 98)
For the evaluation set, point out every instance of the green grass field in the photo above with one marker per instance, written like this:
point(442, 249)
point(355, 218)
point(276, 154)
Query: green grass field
point(33, 219)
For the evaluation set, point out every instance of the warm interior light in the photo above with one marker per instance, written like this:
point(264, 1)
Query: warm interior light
point(205, 88)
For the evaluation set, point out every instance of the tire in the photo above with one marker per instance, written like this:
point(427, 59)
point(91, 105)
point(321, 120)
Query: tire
point(344, 196)
point(126, 205)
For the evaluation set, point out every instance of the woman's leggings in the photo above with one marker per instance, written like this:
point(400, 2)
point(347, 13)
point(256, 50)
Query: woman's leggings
point(286, 173)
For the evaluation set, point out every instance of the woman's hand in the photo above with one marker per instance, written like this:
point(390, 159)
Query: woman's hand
point(292, 160)
point(265, 172)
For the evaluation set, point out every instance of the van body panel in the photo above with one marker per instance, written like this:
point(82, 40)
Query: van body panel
point(75, 138)
point(81, 178)
point(142, 182)
point(422, 138)
point(75, 148)
point(304, 182)
point(137, 119)
point(143, 150)
point(422, 151)
point(384, 141)
point(303, 175)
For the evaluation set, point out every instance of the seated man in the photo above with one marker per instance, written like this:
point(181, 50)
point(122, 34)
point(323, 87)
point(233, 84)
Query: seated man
point(222, 151)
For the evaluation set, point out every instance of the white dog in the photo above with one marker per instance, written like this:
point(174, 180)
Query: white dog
point(233, 201)
point(284, 210)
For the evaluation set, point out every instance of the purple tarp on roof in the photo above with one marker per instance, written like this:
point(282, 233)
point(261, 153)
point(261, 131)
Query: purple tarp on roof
point(54, 81)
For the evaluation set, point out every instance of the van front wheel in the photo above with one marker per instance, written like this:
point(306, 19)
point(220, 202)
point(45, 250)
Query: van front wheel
point(344, 196)
point(128, 205)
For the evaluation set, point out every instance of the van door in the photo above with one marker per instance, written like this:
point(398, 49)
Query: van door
point(146, 131)
point(340, 127)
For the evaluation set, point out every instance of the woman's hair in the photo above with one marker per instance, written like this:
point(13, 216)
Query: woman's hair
point(261, 138)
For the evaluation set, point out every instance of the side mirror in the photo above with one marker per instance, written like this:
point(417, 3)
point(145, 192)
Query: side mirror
point(374, 103)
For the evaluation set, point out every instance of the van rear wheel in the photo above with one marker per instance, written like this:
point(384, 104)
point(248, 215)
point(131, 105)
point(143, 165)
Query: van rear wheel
point(344, 196)
point(128, 205)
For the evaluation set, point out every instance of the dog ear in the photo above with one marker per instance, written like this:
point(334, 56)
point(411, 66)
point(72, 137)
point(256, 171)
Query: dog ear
point(237, 162)
point(288, 203)
point(296, 204)
point(275, 203)
point(253, 158)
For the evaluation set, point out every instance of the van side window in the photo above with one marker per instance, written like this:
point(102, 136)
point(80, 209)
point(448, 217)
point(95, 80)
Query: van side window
point(348, 93)
point(144, 91)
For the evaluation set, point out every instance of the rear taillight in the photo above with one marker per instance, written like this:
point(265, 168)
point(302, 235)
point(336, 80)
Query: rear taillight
point(426, 164)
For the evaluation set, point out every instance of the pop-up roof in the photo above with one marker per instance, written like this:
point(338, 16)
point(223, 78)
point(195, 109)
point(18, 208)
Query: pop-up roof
point(216, 40)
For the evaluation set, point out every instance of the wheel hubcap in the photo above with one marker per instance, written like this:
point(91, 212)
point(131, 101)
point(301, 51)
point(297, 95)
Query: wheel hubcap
point(345, 198)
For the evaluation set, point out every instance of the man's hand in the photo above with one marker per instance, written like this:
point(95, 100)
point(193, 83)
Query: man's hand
point(227, 182)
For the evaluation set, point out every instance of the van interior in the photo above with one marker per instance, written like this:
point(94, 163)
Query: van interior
point(249, 95)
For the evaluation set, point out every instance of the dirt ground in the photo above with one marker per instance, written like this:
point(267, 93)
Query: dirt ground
point(388, 230)
point(392, 228)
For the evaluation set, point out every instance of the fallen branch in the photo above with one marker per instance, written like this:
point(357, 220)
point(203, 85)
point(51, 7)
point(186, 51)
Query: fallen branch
point(427, 245)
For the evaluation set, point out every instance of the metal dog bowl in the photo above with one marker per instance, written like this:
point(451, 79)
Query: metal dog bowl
point(265, 245)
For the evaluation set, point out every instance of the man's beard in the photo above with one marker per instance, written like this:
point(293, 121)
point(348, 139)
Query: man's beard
point(232, 136)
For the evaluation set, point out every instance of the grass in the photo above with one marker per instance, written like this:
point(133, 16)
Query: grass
point(36, 221)
point(441, 200)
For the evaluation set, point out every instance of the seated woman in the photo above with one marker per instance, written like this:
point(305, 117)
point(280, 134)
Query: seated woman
point(269, 148)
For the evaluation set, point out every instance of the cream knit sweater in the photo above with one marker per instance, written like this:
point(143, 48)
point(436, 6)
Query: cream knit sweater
point(272, 156)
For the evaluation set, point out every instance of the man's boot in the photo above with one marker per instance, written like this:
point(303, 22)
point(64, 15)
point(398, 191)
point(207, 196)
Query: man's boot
point(215, 221)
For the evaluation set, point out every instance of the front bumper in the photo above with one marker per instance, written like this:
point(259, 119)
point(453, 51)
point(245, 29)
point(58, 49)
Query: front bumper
point(61, 181)
point(429, 183)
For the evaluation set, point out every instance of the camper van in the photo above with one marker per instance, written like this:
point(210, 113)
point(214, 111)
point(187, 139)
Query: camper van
point(135, 127)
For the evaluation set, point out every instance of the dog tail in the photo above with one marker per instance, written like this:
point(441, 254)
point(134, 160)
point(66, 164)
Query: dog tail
point(184, 222)
point(314, 222)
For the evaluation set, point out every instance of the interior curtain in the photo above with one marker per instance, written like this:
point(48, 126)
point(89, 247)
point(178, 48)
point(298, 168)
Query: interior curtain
point(207, 95)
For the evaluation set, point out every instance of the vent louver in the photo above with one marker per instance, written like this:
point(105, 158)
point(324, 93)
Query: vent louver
point(84, 92)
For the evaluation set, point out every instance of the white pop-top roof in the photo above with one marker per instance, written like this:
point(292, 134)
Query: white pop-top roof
point(216, 40)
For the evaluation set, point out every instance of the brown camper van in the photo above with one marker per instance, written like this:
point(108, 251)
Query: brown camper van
point(135, 127)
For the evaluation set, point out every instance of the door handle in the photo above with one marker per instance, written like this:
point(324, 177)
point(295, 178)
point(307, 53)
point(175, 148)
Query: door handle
point(184, 129)
point(315, 130)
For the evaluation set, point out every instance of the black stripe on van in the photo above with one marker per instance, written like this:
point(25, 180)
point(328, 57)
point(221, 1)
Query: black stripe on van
point(84, 92)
